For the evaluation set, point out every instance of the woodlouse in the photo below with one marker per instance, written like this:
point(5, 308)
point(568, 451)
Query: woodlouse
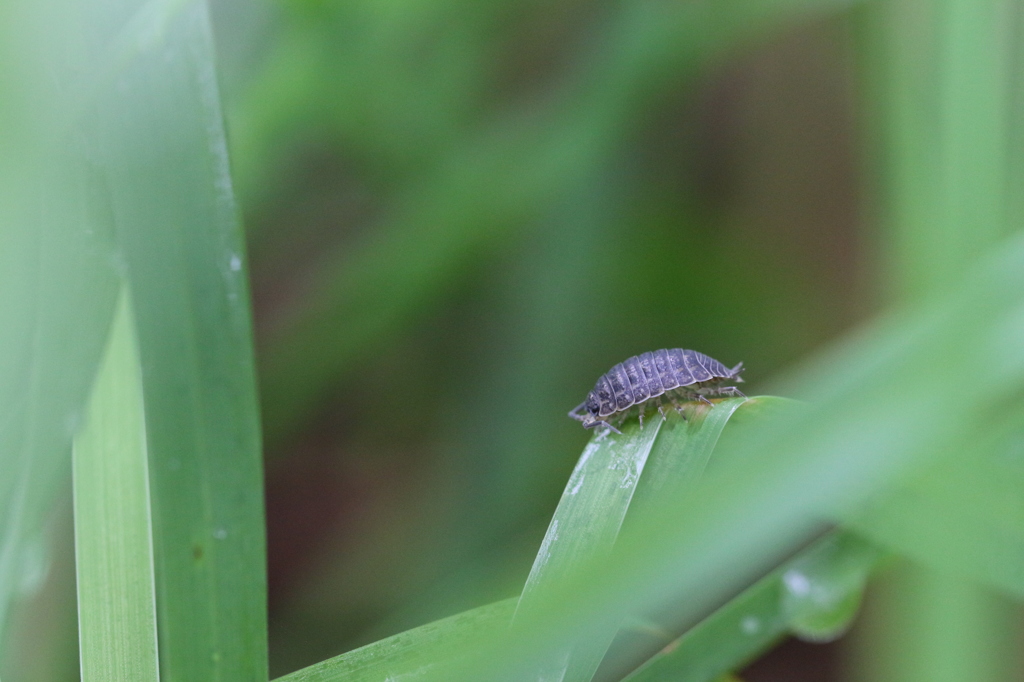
point(675, 372)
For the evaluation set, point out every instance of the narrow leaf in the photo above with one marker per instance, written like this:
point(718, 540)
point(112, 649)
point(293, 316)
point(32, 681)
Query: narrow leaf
point(156, 131)
point(683, 450)
point(113, 545)
point(586, 524)
point(611, 470)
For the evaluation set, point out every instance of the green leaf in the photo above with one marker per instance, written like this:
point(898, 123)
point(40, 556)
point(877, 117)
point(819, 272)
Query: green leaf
point(683, 450)
point(941, 75)
point(585, 526)
point(155, 131)
point(113, 544)
point(57, 292)
point(410, 655)
point(594, 503)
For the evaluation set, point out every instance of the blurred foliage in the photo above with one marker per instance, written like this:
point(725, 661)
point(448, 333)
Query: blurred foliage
point(459, 213)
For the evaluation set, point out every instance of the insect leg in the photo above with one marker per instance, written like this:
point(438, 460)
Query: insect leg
point(727, 390)
point(701, 398)
point(696, 396)
point(676, 405)
point(600, 422)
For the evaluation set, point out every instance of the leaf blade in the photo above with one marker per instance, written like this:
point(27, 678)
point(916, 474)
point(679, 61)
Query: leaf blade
point(113, 542)
point(584, 526)
point(158, 132)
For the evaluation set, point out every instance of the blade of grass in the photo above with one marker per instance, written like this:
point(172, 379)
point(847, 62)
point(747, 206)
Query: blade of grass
point(157, 133)
point(681, 454)
point(407, 656)
point(611, 471)
point(113, 545)
point(975, 93)
point(586, 524)
point(815, 595)
point(683, 450)
point(674, 471)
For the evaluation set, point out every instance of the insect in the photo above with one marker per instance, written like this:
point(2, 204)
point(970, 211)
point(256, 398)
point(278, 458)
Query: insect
point(675, 372)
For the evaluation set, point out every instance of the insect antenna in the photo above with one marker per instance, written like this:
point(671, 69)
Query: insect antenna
point(575, 412)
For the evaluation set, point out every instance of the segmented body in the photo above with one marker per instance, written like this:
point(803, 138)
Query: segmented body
point(675, 372)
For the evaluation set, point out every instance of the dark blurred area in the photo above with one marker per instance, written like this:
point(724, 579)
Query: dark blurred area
point(460, 214)
point(797, 661)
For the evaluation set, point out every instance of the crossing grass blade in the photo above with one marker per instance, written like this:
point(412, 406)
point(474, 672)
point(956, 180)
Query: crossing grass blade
point(57, 291)
point(113, 542)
